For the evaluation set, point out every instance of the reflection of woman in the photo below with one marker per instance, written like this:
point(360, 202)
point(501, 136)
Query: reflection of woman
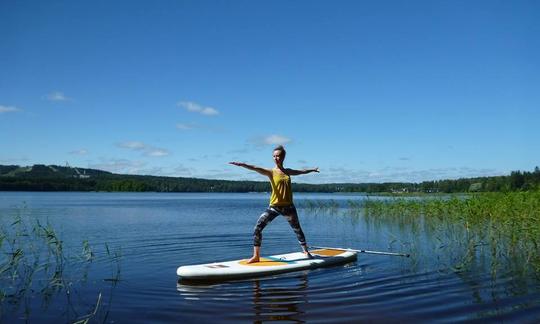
point(281, 200)
point(283, 302)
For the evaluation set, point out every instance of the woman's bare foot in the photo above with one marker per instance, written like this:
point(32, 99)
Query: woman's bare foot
point(256, 254)
point(306, 251)
point(253, 259)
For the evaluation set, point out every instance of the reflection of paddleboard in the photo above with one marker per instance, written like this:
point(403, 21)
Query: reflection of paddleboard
point(274, 264)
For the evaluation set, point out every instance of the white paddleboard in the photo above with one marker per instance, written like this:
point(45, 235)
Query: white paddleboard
point(270, 265)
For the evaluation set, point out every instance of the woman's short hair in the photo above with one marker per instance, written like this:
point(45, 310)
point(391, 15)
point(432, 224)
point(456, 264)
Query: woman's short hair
point(280, 148)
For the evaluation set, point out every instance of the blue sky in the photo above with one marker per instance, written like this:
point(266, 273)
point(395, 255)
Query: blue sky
point(369, 91)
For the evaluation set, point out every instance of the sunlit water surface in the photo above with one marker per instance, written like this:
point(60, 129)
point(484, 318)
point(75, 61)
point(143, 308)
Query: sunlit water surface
point(148, 235)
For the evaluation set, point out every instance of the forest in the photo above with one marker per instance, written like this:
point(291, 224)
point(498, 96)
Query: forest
point(64, 178)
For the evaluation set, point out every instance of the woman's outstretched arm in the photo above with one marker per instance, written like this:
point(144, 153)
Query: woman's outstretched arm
point(257, 169)
point(298, 172)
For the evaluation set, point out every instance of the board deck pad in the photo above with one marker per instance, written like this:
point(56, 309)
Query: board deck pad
point(275, 264)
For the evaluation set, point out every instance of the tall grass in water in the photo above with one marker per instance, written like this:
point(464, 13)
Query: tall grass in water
point(506, 224)
point(35, 263)
point(327, 206)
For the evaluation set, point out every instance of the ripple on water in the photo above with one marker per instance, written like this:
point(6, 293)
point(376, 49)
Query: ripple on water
point(155, 234)
point(352, 292)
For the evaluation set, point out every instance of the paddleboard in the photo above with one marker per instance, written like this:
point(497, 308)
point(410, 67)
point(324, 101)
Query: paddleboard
point(270, 265)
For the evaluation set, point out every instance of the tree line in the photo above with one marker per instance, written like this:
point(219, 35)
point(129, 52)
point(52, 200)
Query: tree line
point(57, 178)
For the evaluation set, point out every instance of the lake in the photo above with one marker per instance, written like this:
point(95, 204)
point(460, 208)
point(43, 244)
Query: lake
point(112, 257)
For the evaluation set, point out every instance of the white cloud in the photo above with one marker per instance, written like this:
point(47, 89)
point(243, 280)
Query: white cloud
point(269, 140)
point(147, 150)
point(391, 174)
point(57, 96)
point(79, 152)
point(8, 109)
point(395, 174)
point(228, 172)
point(119, 166)
point(276, 140)
point(185, 126)
point(133, 145)
point(195, 107)
point(156, 152)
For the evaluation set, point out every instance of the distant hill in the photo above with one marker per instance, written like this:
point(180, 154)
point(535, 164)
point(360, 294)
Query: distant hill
point(49, 171)
point(41, 177)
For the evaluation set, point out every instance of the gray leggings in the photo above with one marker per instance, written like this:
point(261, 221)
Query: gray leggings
point(289, 212)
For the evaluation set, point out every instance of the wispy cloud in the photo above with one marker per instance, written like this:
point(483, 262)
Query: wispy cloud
point(79, 152)
point(182, 126)
point(394, 174)
point(125, 166)
point(14, 160)
point(119, 166)
point(276, 140)
point(397, 174)
point(195, 107)
point(183, 171)
point(227, 173)
point(156, 152)
point(270, 140)
point(8, 109)
point(193, 126)
point(57, 96)
point(133, 145)
point(244, 150)
point(147, 150)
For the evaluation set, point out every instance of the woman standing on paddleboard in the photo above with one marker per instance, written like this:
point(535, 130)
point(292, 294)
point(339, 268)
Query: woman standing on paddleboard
point(281, 200)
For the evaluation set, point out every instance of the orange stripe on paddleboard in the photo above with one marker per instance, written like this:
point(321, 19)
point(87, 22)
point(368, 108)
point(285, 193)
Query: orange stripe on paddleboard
point(263, 262)
point(327, 252)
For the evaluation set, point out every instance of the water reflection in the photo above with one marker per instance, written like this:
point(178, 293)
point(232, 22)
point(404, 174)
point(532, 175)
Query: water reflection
point(280, 303)
point(273, 299)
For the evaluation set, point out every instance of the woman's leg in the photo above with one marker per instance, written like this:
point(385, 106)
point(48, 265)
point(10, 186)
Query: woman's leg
point(264, 220)
point(291, 215)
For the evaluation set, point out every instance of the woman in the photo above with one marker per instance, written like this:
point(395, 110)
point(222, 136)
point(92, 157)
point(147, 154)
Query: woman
point(281, 200)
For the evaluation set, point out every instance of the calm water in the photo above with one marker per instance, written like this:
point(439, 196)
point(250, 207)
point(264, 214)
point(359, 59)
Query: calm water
point(139, 239)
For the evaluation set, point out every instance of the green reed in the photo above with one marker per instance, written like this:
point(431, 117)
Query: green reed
point(34, 263)
point(506, 224)
point(502, 229)
point(315, 206)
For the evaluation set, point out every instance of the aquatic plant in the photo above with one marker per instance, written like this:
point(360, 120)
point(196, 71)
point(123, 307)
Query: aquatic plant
point(315, 206)
point(502, 229)
point(506, 224)
point(34, 263)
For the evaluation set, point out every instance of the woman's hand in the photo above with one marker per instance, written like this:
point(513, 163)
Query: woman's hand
point(236, 163)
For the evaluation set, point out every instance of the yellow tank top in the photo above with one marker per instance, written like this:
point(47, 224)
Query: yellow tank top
point(281, 189)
